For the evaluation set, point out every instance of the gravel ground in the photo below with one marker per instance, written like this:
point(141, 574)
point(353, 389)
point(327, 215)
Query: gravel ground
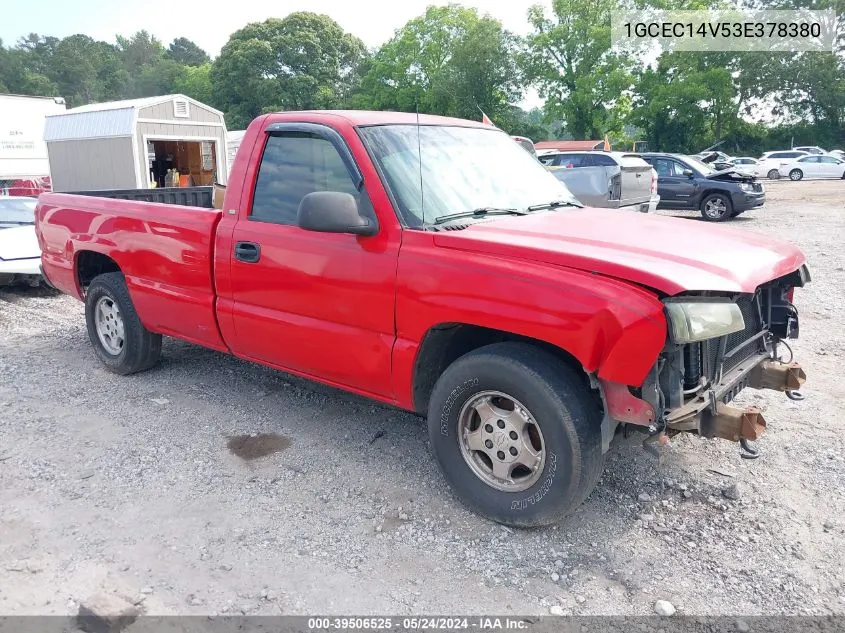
point(144, 485)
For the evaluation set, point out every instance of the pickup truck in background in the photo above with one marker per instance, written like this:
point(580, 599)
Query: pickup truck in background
point(613, 180)
point(434, 265)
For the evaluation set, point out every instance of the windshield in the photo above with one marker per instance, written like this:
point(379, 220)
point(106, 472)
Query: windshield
point(704, 168)
point(463, 169)
point(16, 211)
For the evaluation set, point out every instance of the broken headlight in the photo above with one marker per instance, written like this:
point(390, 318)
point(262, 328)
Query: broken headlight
point(691, 321)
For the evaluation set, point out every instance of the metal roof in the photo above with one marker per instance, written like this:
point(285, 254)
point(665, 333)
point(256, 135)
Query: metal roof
point(103, 120)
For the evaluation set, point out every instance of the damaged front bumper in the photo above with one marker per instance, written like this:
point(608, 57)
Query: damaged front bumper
point(710, 414)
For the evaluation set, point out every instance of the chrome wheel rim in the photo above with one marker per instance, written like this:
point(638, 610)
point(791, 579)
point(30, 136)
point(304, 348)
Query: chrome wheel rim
point(109, 325)
point(501, 442)
point(774, 174)
point(715, 208)
point(795, 175)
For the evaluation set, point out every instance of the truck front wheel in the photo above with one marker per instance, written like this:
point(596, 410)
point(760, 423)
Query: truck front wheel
point(120, 340)
point(516, 433)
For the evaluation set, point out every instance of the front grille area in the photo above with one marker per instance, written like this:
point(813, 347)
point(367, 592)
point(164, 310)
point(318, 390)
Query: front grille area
point(733, 353)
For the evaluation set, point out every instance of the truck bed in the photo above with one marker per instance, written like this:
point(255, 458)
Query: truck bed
point(164, 250)
point(182, 196)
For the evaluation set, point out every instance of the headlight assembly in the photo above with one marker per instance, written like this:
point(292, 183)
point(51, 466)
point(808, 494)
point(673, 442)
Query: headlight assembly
point(691, 321)
point(746, 186)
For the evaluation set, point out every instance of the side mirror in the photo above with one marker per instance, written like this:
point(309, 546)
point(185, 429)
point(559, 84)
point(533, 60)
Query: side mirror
point(688, 173)
point(333, 212)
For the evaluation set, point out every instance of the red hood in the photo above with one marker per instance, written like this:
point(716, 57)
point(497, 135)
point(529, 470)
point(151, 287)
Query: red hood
point(671, 255)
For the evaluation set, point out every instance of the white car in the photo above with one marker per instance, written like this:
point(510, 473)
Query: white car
point(838, 153)
point(810, 149)
point(746, 164)
point(769, 164)
point(20, 255)
point(814, 166)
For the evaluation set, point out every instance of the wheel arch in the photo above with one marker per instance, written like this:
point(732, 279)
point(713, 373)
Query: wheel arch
point(445, 343)
point(88, 264)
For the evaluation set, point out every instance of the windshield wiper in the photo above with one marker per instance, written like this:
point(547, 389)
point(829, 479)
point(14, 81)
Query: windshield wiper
point(554, 205)
point(477, 213)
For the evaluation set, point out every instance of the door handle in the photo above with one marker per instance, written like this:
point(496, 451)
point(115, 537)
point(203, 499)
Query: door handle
point(248, 252)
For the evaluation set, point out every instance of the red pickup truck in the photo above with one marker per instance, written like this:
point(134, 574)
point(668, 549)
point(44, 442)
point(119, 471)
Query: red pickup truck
point(433, 264)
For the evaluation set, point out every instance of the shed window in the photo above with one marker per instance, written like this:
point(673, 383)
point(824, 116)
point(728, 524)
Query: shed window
point(180, 108)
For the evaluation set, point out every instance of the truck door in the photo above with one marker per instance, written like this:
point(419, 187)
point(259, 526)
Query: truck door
point(318, 304)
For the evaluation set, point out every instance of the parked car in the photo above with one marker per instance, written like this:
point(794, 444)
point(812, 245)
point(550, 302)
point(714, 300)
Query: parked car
point(527, 144)
point(770, 163)
point(814, 166)
point(432, 264)
point(718, 156)
point(684, 182)
point(20, 256)
point(838, 153)
point(614, 180)
point(810, 149)
point(746, 164)
point(715, 160)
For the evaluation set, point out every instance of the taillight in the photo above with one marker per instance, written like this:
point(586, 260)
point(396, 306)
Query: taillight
point(790, 294)
point(653, 181)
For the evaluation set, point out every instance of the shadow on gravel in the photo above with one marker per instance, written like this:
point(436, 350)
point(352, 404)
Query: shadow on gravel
point(738, 219)
point(250, 447)
point(16, 293)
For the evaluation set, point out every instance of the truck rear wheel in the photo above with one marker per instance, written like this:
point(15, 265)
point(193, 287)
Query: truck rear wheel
point(516, 433)
point(120, 340)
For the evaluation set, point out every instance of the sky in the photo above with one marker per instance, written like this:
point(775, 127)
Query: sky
point(210, 29)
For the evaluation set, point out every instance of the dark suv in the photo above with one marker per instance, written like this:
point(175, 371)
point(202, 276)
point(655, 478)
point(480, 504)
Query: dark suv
point(684, 182)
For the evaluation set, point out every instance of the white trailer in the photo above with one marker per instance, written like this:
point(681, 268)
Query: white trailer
point(23, 152)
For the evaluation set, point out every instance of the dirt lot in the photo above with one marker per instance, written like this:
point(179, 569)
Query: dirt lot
point(135, 484)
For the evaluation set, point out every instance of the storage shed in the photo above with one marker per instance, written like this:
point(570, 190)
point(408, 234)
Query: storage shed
point(131, 144)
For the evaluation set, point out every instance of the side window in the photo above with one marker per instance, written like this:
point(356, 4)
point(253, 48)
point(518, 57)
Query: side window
point(548, 160)
point(779, 155)
point(295, 164)
point(809, 159)
point(828, 159)
point(600, 160)
point(571, 160)
point(663, 167)
point(678, 168)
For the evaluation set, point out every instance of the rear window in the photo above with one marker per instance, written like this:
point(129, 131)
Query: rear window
point(602, 160)
point(572, 160)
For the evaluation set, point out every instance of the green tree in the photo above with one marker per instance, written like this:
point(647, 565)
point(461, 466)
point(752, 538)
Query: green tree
point(87, 71)
point(186, 52)
point(139, 50)
point(195, 82)
point(449, 61)
point(303, 61)
point(568, 56)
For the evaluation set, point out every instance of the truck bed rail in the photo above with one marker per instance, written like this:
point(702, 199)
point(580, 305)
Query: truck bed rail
point(182, 196)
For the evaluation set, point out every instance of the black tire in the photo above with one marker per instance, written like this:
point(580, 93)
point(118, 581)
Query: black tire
point(563, 407)
point(141, 349)
point(773, 174)
point(796, 175)
point(727, 207)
